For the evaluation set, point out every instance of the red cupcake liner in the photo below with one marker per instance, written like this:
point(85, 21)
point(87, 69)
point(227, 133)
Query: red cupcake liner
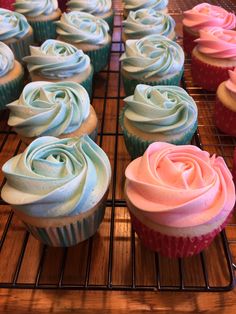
point(170, 246)
point(188, 41)
point(225, 119)
point(7, 4)
point(234, 167)
point(62, 5)
point(208, 76)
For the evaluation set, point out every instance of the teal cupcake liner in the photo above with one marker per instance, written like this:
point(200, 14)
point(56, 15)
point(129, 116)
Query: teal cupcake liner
point(20, 48)
point(136, 146)
point(110, 21)
point(130, 84)
point(88, 83)
point(43, 30)
point(11, 91)
point(99, 57)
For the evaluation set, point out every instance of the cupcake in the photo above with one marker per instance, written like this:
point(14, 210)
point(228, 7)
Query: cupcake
point(225, 107)
point(11, 76)
point(52, 109)
point(56, 61)
point(88, 33)
point(179, 198)
point(201, 16)
point(16, 33)
point(234, 166)
point(146, 22)
point(41, 15)
point(133, 5)
point(58, 188)
point(214, 55)
point(158, 113)
point(152, 60)
point(99, 8)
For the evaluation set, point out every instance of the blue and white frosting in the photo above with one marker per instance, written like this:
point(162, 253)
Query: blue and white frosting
point(133, 5)
point(36, 7)
point(95, 7)
point(6, 59)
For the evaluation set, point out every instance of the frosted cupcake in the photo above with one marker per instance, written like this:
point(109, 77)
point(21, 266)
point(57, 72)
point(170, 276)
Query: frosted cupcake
point(225, 107)
point(52, 109)
point(134, 5)
point(99, 8)
point(213, 56)
point(179, 198)
point(56, 61)
point(152, 60)
point(158, 113)
point(58, 188)
point(88, 33)
point(145, 22)
point(201, 16)
point(11, 76)
point(41, 15)
point(16, 33)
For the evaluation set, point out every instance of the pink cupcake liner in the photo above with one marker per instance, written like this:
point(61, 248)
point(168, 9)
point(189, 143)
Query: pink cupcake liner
point(170, 246)
point(208, 76)
point(188, 41)
point(225, 119)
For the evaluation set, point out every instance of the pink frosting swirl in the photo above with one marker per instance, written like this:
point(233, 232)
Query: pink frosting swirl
point(180, 186)
point(205, 15)
point(231, 82)
point(217, 42)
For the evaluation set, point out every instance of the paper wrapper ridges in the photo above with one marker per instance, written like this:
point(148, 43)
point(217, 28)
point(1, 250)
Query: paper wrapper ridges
point(99, 57)
point(225, 119)
point(20, 48)
point(43, 30)
point(188, 41)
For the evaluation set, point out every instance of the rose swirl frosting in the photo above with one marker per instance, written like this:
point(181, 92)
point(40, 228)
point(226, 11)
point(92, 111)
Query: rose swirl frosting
point(6, 59)
point(92, 6)
point(36, 8)
point(57, 177)
point(139, 4)
point(57, 59)
point(49, 109)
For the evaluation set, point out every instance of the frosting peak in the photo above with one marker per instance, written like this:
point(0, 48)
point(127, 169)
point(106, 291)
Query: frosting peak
point(36, 8)
point(93, 6)
point(6, 59)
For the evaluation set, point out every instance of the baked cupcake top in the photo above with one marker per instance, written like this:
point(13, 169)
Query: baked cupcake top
point(57, 177)
point(95, 7)
point(6, 59)
point(217, 42)
point(231, 83)
point(145, 22)
point(161, 109)
point(180, 186)
point(205, 15)
point(133, 5)
point(36, 8)
point(84, 28)
point(152, 56)
point(49, 109)
point(12, 25)
point(55, 58)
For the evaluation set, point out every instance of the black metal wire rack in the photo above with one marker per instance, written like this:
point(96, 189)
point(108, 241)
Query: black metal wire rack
point(114, 259)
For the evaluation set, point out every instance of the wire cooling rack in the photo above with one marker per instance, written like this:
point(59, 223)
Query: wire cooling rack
point(114, 259)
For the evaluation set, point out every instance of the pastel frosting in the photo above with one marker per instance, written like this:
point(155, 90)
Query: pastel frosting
point(84, 28)
point(57, 177)
point(36, 8)
point(180, 186)
point(145, 22)
point(152, 56)
point(207, 15)
point(6, 59)
point(96, 7)
point(134, 5)
point(49, 109)
point(55, 58)
point(217, 42)
point(12, 25)
point(161, 109)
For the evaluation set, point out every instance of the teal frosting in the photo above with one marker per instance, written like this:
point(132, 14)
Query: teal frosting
point(139, 4)
point(145, 22)
point(84, 28)
point(36, 8)
point(49, 109)
point(95, 7)
point(152, 56)
point(57, 59)
point(6, 59)
point(161, 109)
point(12, 25)
point(57, 177)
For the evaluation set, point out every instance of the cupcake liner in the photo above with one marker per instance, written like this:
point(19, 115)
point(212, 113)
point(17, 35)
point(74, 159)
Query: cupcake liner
point(225, 119)
point(188, 41)
point(11, 90)
point(65, 231)
point(43, 30)
point(208, 76)
point(20, 48)
point(88, 83)
point(110, 21)
point(130, 84)
point(62, 5)
point(99, 57)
